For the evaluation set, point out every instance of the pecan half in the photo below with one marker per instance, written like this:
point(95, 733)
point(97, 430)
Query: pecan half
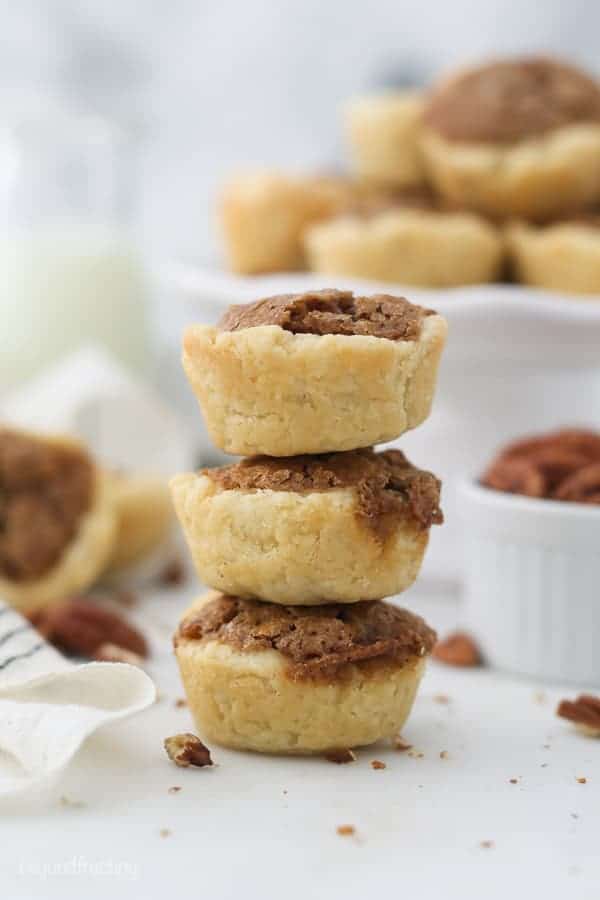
point(187, 750)
point(582, 441)
point(515, 476)
point(113, 653)
point(584, 712)
point(582, 486)
point(81, 627)
point(551, 466)
point(341, 756)
point(458, 649)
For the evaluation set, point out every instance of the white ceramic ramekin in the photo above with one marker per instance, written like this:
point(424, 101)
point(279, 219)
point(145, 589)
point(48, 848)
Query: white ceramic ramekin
point(532, 583)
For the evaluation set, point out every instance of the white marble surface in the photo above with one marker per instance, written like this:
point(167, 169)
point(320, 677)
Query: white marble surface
point(262, 827)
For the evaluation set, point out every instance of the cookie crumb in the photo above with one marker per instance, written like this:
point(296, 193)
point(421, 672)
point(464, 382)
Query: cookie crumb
point(165, 832)
point(513, 780)
point(458, 649)
point(581, 780)
point(175, 789)
point(444, 754)
point(187, 750)
point(487, 845)
point(539, 697)
point(416, 754)
point(181, 703)
point(341, 756)
point(378, 764)
point(442, 699)
point(399, 744)
point(346, 830)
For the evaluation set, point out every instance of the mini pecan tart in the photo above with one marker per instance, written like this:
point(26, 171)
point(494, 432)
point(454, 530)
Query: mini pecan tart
point(144, 519)
point(562, 256)
point(315, 372)
point(383, 132)
point(287, 679)
point(515, 138)
point(340, 527)
point(407, 244)
point(57, 519)
point(263, 216)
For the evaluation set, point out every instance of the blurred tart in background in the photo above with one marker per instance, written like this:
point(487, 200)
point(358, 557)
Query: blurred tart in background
point(383, 132)
point(561, 256)
point(57, 519)
point(515, 138)
point(144, 515)
point(408, 244)
point(263, 216)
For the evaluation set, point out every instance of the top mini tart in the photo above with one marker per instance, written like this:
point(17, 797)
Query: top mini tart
point(511, 100)
point(56, 523)
point(315, 372)
point(515, 137)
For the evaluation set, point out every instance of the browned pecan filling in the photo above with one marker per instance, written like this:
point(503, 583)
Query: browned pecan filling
point(332, 312)
point(511, 100)
point(317, 641)
point(45, 488)
point(388, 487)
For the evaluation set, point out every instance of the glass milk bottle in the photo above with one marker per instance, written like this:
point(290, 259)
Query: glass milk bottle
point(69, 272)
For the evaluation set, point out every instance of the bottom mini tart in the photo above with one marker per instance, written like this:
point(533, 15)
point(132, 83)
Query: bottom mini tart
point(283, 679)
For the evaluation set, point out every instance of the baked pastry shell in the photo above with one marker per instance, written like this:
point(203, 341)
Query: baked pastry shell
point(265, 390)
point(144, 519)
point(563, 257)
point(290, 547)
point(383, 133)
point(263, 216)
point(408, 246)
point(536, 179)
point(82, 560)
point(247, 701)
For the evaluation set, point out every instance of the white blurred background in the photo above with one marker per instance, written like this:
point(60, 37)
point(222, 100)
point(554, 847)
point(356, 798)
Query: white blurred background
point(209, 86)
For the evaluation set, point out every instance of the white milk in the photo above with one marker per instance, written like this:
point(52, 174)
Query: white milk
point(64, 287)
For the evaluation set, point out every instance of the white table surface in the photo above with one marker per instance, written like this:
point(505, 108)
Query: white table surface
point(262, 827)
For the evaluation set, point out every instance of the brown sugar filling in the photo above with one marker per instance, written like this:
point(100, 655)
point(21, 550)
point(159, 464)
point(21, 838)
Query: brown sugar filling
point(512, 100)
point(388, 487)
point(332, 312)
point(45, 489)
point(317, 641)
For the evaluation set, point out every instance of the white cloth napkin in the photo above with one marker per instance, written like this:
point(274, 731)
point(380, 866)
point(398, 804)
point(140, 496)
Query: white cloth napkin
point(49, 706)
point(121, 419)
